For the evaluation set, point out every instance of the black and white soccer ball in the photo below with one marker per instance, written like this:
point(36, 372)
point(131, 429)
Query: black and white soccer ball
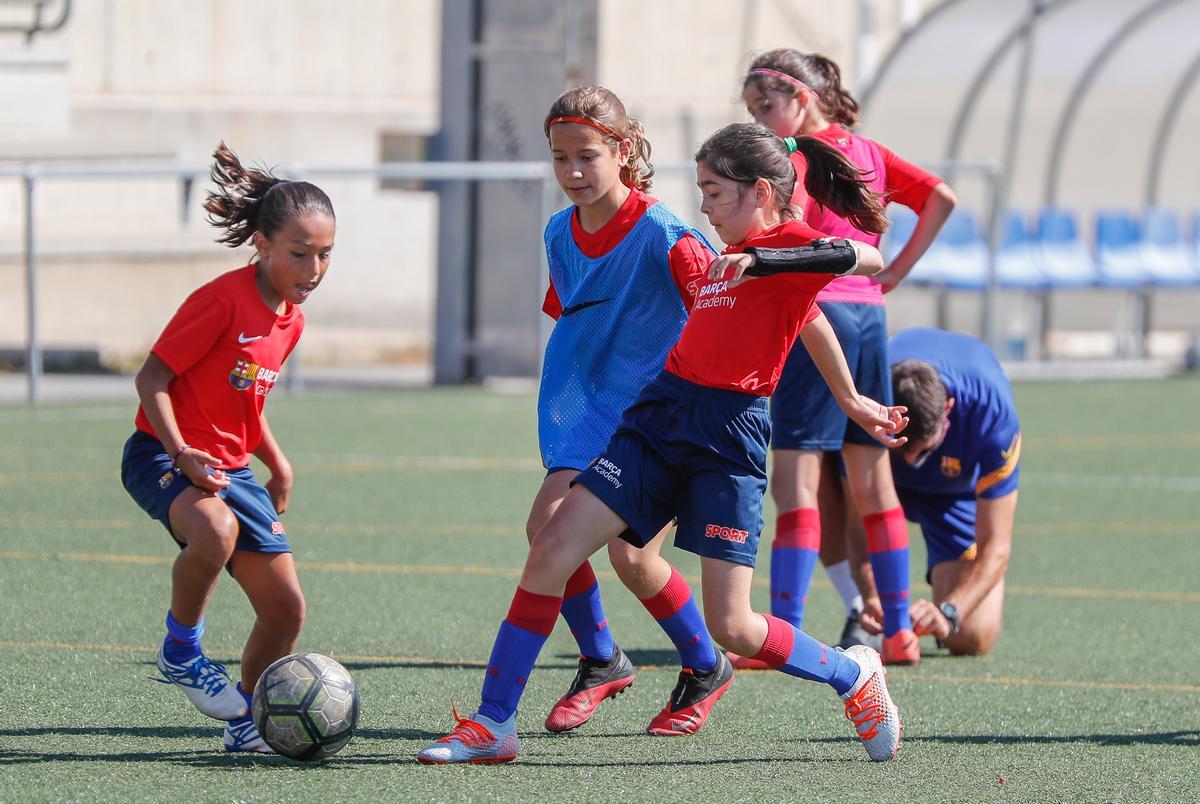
point(306, 706)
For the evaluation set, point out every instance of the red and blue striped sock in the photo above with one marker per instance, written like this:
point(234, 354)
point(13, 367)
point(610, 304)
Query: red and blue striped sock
point(529, 622)
point(584, 613)
point(676, 611)
point(887, 547)
point(791, 651)
point(793, 557)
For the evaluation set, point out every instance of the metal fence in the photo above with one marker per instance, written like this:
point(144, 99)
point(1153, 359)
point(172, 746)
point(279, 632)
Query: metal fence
point(451, 344)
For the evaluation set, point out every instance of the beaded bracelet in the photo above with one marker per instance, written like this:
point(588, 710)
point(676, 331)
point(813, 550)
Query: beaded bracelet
point(180, 452)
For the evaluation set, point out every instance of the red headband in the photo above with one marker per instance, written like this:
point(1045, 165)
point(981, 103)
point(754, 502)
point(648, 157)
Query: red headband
point(587, 121)
point(796, 82)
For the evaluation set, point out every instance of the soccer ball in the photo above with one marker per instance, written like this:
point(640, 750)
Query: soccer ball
point(306, 706)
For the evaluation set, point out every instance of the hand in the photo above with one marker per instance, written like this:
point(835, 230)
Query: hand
point(887, 280)
point(880, 422)
point(871, 618)
point(890, 277)
point(280, 487)
point(927, 620)
point(738, 263)
point(199, 467)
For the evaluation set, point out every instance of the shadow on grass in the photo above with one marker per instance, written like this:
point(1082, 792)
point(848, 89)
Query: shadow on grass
point(437, 665)
point(1188, 738)
point(165, 732)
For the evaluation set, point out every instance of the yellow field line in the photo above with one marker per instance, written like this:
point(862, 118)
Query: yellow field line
point(514, 572)
point(1131, 528)
point(1008, 681)
point(1107, 441)
point(1005, 681)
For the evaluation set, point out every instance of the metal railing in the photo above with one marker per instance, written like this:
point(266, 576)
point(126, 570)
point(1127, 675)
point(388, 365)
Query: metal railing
point(30, 175)
point(38, 22)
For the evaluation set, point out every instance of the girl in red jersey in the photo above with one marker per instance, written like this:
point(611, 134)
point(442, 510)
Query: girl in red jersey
point(202, 391)
point(795, 94)
point(693, 446)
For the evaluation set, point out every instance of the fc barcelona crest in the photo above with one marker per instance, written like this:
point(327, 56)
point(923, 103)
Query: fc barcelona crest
point(951, 467)
point(243, 374)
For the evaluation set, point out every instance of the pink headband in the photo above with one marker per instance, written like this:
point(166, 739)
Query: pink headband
point(587, 121)
point(796, 82)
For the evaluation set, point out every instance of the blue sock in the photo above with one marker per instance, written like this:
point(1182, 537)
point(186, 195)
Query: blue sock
point(793, 557)
point(584, 613)
point(791, 651)
point(518, 643)
point(887, 548)
point(182, 642)
point(676, 611)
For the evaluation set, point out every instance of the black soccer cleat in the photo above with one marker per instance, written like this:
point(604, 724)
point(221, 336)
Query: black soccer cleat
point(594, 682)
point(854, 634)
point(693, 698)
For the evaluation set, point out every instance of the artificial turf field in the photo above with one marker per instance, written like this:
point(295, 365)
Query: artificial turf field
point(407, 520)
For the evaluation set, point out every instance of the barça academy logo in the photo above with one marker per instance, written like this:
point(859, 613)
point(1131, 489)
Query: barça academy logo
point(951, 467)
point(243, 375)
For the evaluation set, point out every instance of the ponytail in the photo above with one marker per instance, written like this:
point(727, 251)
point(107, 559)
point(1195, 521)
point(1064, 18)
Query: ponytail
point(835, 182)
point(248, 200)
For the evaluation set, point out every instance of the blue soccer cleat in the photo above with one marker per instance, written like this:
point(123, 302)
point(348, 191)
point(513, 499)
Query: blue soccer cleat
point(242, 735)
point(475, 739)
point(206, 684)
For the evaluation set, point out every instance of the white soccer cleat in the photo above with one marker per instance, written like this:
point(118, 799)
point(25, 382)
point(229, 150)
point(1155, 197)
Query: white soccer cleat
point(476, 739)
point(242, 735)
point(207, 685)
point(870, 708)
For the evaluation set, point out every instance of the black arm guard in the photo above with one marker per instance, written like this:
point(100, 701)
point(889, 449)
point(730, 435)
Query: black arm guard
point(835, 257)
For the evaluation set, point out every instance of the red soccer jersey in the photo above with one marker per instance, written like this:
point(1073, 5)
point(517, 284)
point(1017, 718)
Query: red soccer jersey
point(688, 258)
point(226, 348)
point(739, 338)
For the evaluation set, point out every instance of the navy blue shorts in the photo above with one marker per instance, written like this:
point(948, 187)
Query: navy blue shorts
point(154, 484)
point(804, 414)
point(692, 453)
point(947, 524)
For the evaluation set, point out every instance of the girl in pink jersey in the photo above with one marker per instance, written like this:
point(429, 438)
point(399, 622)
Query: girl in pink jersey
point(692, 447)
point(795, 94)
point(202, 390)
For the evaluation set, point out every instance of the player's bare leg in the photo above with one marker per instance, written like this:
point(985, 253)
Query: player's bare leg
point(271, 584)
point(980, 628)
point(869, 471)
point(273, 588)
point(581, 526)
point(206, 527)
point(837, 518)
point(604, 671)
point(856, 675)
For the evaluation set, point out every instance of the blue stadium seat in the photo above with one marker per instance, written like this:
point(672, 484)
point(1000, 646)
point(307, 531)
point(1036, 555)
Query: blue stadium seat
point(1119, 250)
point(1015, 264)
point(1169, 261)
point(958, 257)
point(1060, 253)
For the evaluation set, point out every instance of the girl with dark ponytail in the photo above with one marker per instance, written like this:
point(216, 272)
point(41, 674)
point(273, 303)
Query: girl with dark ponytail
point(202, 391)
point(692, 449)
point(795, 95)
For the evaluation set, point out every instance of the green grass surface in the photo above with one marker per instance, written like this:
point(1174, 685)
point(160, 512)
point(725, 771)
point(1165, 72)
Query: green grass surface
point(408, 524)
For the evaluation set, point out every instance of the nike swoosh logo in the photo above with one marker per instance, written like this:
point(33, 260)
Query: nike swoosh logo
point(243, 339)
point(575, 308)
